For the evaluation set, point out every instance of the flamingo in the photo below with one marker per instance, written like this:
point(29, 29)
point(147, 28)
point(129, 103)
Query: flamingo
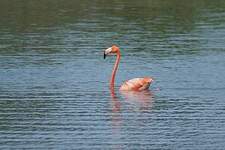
point(136, 84)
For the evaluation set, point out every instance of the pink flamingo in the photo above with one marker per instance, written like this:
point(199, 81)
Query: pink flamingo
point(136, 84)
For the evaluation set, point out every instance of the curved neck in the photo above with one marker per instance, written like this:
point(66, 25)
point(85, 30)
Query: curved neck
point(114, 70)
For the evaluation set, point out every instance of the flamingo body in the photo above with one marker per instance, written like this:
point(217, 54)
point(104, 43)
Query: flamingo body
point(136, 84)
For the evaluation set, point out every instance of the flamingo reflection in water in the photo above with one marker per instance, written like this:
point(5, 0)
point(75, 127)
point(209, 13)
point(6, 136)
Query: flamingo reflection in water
point(142, 101)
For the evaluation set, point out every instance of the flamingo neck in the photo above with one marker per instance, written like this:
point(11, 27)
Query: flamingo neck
point(114, 70)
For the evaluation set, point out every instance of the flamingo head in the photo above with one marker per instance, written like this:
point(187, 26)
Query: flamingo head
point(111, 50)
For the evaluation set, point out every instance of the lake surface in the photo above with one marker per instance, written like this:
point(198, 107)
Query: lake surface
point(54, 90)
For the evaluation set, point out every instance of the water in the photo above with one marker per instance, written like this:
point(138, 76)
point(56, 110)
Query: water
point(54, 81)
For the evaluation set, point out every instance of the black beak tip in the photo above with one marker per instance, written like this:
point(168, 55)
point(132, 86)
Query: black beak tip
point(104, 55)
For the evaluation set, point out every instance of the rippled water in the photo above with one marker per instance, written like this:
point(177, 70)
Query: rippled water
point(54, 81)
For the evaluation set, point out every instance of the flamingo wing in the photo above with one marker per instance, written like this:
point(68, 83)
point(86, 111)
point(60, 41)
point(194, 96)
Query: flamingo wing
point(136, 84)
